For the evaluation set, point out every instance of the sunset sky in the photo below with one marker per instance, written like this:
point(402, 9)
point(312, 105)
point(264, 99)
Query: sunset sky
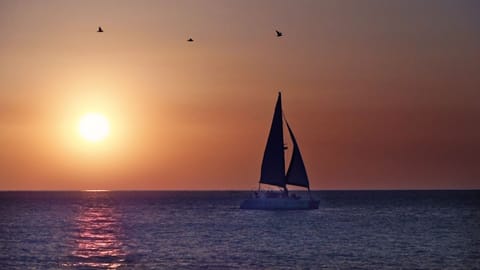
point(380, 94)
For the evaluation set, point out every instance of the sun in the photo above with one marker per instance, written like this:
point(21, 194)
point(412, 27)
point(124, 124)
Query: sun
point(94, 127)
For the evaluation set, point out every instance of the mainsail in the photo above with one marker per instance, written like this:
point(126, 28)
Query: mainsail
point(273, 164)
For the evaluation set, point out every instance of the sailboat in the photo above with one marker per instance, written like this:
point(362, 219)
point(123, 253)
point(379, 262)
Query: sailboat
point(273, 171)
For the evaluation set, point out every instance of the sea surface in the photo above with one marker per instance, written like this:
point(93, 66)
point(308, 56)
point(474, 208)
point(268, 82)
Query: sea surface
point(207, 230)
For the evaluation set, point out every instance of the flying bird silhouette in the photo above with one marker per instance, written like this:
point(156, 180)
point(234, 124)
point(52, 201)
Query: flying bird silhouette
point(100, 30)
point(190, 40)
point(279, 34)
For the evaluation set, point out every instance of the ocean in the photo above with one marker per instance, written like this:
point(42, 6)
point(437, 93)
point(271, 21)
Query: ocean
point(207, 230)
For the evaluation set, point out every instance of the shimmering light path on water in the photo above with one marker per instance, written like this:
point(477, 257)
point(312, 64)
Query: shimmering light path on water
point(191, 230)
point(98, 236)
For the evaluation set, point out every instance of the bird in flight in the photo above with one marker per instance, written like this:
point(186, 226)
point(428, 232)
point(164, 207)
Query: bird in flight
point(279, 34)
point(190, 40)
point(100, 30)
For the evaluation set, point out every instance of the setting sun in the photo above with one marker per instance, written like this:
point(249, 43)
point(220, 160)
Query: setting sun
point(94, 127)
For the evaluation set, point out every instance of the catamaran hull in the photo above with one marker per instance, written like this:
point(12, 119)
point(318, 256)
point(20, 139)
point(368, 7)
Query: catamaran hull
point(279, 204)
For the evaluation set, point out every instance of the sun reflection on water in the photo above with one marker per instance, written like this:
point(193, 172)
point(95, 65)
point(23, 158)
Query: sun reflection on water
point(98, 235)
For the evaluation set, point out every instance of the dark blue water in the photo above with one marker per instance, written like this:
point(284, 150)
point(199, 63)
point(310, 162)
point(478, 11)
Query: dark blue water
point(192, 230)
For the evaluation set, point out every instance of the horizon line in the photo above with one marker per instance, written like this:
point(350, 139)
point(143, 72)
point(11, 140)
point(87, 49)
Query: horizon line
point(228, 190)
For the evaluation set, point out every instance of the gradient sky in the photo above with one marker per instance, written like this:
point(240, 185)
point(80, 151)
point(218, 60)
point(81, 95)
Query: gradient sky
point(380, 94)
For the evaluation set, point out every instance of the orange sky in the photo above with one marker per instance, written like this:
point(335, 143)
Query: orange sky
point(380, 94)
